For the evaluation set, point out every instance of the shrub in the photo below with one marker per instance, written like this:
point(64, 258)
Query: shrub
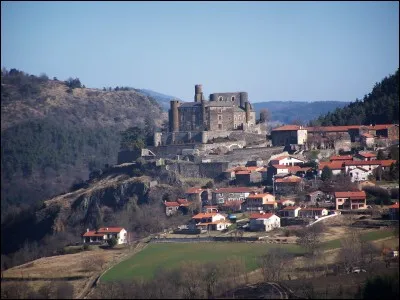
point(112, 242)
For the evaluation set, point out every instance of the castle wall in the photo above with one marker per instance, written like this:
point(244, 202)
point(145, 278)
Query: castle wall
point(231, 98)
point(200, 170)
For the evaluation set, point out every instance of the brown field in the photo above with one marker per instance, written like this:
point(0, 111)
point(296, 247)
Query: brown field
point(78, 268)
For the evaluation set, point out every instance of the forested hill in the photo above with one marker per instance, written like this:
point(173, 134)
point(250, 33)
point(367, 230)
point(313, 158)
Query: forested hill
point(54, 133)
point(287, 112)
point(381, 106)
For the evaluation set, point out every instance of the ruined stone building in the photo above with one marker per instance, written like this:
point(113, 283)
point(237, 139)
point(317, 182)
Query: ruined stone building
point(204, 120)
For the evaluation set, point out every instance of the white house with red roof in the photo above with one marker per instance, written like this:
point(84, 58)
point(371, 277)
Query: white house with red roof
point(209, 221)
point(366, 155)
point(290, 211)
point(286, 160)
point(351, 200)
point(105, 233)
point(262, 221)
point(359, 174)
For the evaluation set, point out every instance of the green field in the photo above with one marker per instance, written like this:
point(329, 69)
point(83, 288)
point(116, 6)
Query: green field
point(170, 255)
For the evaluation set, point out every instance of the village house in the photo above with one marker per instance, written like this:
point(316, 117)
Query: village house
point(285, 202)
point(359, 174)
point(248, 177)
point(224, 195)
point(264, 221)
point(290, 211)
point(105, 233)
point(289, 135)
point(336, 166)
point(257, 202)
point(172, 207)
point(209, 221)
point(314, 197)
point(351, 200)
point(313, 212)
point(286, 160)
point(367, 156)
point(194, 194)
point(288, 185)
point(210, 209)
point(367, 140)
point(232, 206)
point(368, 165)
point(394, 211)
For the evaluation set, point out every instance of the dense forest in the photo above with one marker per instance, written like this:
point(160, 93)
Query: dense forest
point(55, 133)
point(381, 106)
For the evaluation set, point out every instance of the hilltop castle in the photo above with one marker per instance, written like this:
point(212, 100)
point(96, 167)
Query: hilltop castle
point(203, 120)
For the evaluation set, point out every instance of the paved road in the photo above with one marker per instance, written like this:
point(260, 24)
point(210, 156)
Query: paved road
point(266, 290)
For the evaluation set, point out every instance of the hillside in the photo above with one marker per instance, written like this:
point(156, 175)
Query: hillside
point(163, 100)
point(53, 134)
point(288, 111)
point(380, 106)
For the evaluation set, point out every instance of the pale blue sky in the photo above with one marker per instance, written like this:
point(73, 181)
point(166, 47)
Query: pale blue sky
point(273, 50)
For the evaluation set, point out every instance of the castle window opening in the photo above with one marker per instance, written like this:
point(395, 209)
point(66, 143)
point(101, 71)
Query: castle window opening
point(233, 98)
point(219, 126)
point(219, 117)
point(220, 98)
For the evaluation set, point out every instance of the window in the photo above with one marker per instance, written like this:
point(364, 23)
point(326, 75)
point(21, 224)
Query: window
point(233, 98)
point(220, 98)
point(219, 126)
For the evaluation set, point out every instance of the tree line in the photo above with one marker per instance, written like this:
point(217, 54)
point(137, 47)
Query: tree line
point(381, 106)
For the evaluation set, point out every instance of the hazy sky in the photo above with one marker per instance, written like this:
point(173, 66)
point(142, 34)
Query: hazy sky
point(273, 50)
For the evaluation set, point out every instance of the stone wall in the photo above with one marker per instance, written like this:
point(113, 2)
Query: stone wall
point(199, 170)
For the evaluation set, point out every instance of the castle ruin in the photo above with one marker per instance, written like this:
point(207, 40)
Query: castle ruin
point(203, 120)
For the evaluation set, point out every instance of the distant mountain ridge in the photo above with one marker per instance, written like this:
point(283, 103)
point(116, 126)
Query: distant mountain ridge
point(288, 111)
point(162, 99)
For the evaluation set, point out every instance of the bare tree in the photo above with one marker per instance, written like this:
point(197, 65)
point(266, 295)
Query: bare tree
point(310, 237)
point(273, 263)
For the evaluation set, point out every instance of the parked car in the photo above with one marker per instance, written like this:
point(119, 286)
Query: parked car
point(357, 270)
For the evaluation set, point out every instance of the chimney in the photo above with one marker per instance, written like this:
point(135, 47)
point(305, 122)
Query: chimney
point(87, 229)
point(107, 228)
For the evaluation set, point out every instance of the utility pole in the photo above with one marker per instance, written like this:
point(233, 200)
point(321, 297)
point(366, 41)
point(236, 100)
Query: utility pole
point(273, 185)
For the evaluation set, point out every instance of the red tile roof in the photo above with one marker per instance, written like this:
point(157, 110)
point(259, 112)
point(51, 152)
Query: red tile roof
point(387, 162)
point(258, 196)
point(312, 209)
point(351, 195)
point(171, 204)
point(92, 234)
point(333, 165)
point(233, 203)
point(204, 215)
point(260, 216)
point(367, 154)
point(384, 163)
point(240, 189)
point(183, 202)
point(396, 205)
point(378, 126)
point(243, 172)
point(341, 157)
point(194, 190)
point(289, 179)
point(332, 128)
point(102, 231)
point(110, 229)
point(287, 127)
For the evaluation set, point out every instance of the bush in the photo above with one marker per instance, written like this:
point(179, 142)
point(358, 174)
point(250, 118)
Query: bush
point(112, 242)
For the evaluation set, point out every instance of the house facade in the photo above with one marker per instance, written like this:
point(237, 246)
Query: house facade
point(359, 174)
point(313, 197)
point(289, 135)
point(224, 195)
point(105, 233)
point(351, 200)
point(264, 222)
point(209, 221)
point(366, 156)
point(286, 160)
point(257, 202)
point(288, 185)
point(290, 212)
